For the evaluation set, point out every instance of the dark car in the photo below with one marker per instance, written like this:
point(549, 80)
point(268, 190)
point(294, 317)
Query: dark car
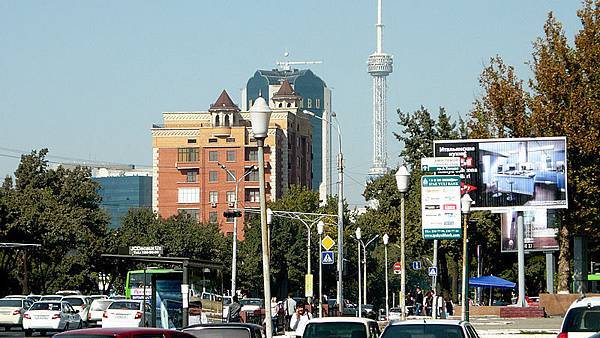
point(225, 330)
point(139, 332)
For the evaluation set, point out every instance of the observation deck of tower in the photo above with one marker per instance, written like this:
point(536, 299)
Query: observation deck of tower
point(380, 65)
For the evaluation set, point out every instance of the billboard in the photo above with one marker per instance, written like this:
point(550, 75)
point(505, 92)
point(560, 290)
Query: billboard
point(440, 206)
point(520, 174)
point(540, 230)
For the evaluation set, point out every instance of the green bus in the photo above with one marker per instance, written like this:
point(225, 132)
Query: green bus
point(140, 281)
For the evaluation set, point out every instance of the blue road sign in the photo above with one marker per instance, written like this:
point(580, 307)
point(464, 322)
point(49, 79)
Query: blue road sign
point(432, 270)
point(416, 265)
point(327, 257)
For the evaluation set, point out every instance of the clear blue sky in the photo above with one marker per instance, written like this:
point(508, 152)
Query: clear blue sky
point(88, 78)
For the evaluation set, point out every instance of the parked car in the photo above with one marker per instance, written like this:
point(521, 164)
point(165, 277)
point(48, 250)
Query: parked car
point(46, 316)
point(395, 314)
point(34, 298)
point(97, 308)
point(368, 311)
point(11, 312)
point(341, 327)
point(51, 298)
point(582, 319)
point(81, 304)
point(251, 304)
point(69, 293)
point(142, 332)
point(225, 330)
point(126, 313)
point(94, 297)
point(532, 301)
point(430, 328)
point(16, 296)
point(117, 297)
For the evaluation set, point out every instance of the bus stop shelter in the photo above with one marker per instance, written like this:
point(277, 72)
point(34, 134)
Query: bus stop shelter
point(187, 265)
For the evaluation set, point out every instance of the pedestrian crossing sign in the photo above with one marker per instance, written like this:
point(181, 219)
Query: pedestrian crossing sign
point(327, 257)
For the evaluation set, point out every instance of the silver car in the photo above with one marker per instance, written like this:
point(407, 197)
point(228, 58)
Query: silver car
point(430, 328)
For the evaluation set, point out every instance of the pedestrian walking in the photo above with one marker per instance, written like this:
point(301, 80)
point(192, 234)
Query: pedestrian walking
point(418, 301)
point(274, 310)
point(234, 310)
point(299, 320)
point(196, 315)
point(428, 303)
point(290, 309)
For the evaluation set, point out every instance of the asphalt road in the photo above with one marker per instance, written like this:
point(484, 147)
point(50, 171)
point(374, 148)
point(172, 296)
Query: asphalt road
point(19, 333)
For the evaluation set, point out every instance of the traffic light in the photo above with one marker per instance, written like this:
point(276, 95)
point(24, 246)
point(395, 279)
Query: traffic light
point(232, 213)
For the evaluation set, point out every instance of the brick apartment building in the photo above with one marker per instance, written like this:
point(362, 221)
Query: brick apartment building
point(190, 148)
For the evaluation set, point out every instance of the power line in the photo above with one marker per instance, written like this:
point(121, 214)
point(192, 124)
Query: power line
point(74, 160)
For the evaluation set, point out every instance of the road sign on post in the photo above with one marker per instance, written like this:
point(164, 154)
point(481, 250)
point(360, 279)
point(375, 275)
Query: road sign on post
point(327, 243)
point(416, 265)
point(397, 268)
point(432, 270)
point(327, 257)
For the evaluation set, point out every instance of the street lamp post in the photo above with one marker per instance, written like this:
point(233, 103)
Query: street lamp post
point(386, 240)
point(320, 227)
point(235, 239)
point(340, 235)
point(402, 178)
point(357, 233)
point(465, 206)
point(260, 113)
point(364, 246)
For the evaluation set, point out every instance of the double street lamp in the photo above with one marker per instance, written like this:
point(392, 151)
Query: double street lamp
point(260, 113)
point(402, 178)
point(235, 228)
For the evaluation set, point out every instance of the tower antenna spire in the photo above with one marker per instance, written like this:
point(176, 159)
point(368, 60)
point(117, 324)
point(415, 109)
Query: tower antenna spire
point(379, 27)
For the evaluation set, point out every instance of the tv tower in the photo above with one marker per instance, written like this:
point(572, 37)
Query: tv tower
point(379, 66)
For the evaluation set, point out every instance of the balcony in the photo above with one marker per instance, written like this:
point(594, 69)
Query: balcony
point(187, 165)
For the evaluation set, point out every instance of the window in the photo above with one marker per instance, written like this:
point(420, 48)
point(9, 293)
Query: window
point(308, 103)
point(230, 155)
point(230, 178)
point(187, 154)
point(212, 140)
point(213, 176)
point(190, 213)
point(212, 217)
point(229, 219)
point(188, 195)
point(252, 176)
point(213, 197)
point(231, 196)
point(317, 103)
point(252, 195)
point(251, 154)
point(230, 140)
point(213, 156)
point(192, 176)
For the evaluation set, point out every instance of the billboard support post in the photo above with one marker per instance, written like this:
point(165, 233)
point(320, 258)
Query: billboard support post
point(521, 259)
point(549, 272)
point(434, 278)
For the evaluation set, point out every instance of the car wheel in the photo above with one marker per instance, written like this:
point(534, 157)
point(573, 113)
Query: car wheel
point(28, 333)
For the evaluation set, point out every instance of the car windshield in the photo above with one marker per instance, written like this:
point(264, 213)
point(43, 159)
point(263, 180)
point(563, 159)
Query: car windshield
point(250, 301)
point(10, 303)
point(51, 298)
point(100, 305)
point(583, 319)
point(74, 301)
point(335, 330)
point(218, 332)
point(45, 306)
point(423, 331)
point(124, 306)
point(395, 309)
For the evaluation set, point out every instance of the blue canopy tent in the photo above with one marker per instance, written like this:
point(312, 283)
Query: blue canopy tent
point(490, 282)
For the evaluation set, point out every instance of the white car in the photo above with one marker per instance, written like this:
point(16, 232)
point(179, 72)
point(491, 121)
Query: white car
point(126, 313)
point(395, 314)
point(341, 327)
point(81, 304)
point(51, 298)
point(11, 312)
point(97, 308)
point(46, 316)
point(582, 319)
point(430, 328)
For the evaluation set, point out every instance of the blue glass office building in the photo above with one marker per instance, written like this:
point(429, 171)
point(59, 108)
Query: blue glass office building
point(316, 97)
point(120, 193)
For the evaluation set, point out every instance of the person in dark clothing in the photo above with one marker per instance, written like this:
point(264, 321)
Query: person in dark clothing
point(234, 311)
point(418, 301)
